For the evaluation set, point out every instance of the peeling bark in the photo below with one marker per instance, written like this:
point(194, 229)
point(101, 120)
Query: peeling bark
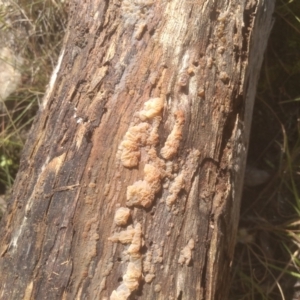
point(183, 186)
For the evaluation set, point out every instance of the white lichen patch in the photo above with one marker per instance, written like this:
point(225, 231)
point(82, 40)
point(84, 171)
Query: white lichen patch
point(172, 143)
point(121, 216)
point(152, 108)
point(133, 275)
point(186, 253)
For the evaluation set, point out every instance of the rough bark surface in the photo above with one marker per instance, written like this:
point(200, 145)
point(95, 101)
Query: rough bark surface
point(96, 147)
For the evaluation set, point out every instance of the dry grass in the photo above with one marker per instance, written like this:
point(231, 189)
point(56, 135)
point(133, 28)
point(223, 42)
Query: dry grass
point(267, 258)
point(34, 30)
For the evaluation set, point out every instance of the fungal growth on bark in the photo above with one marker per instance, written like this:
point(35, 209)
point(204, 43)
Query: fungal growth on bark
point(174, 190)
point(148, 267)
point(133, 275)
point(139, 194)
point(183, 179)
point(124, 236)
point(152, 108)
point(139, 136)
point(186, 253)
point(121, 216)
point(153, 138)
point(129, 149)
point(172, 143)
point(142, 193)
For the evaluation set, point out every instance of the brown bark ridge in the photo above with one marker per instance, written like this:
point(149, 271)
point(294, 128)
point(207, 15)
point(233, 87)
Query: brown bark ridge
point(130, 182)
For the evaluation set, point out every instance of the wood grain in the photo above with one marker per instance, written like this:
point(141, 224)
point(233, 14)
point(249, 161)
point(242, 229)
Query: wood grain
point(203, 59)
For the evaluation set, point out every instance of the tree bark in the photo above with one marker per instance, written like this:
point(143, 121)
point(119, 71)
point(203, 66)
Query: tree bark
point(130, 182)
